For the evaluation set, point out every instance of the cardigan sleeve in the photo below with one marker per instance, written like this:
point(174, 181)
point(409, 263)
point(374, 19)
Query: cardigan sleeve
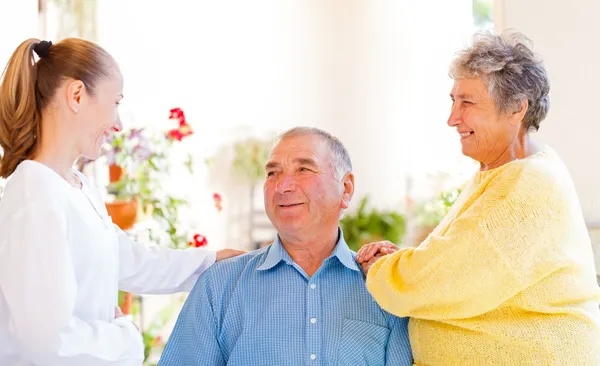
point(507, 239)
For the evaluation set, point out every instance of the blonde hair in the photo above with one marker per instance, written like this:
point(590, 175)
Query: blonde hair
point(28, 87)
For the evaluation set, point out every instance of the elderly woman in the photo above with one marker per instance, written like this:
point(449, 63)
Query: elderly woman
point(507, 278)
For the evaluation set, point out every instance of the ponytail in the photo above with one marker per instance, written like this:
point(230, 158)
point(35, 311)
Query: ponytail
point(19, 115)
point(27, 87)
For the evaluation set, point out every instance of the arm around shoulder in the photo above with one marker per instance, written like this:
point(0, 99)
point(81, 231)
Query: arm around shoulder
point(154, 270)
point(504, 242)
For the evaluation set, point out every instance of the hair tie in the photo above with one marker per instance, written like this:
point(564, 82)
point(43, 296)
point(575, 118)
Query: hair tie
point(41, 49)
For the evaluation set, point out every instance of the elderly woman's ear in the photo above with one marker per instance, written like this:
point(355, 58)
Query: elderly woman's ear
point(518, 115)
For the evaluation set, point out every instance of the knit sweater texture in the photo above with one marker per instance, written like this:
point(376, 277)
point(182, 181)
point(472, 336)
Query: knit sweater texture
point(507, 277)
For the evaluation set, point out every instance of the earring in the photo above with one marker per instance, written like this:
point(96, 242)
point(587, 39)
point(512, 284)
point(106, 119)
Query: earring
point(76, 110)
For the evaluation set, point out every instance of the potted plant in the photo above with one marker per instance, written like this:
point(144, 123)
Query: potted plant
point(153, 341)
point(369, 225)
point(138, 164)
point(429, 213)
point(247, 157)
point(250, 156)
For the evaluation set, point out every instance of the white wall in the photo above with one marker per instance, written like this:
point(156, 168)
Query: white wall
point(373, 73)
point(566, 35)
point(387, 92)
point(18, 21)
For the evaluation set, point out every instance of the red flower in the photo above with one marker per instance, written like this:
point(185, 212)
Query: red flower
point(157, 341)
point(184, 130)
point(218, 201)
point(199, 241)
point(175, 135)
point(177, 113)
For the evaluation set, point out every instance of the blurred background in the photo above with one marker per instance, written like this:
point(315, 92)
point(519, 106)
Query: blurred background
point(210, 83)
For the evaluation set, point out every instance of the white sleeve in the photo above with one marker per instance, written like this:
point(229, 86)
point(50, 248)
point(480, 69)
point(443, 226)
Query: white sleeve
point(37, 280)
point(154, 270)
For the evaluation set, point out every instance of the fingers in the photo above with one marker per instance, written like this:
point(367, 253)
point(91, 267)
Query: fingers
point(388, 250)
point(228, 253)
point(369, 250)
point(119, 314)
point(360, 252)
point(366, 266)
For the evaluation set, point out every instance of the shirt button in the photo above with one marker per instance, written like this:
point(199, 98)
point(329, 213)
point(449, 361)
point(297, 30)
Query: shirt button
point(313, 286)
point(313, 357)
point(313, 320)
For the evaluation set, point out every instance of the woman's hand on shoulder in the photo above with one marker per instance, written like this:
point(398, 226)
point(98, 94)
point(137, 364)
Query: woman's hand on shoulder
point(370, 253)
point(381, 248)
point(228, 253)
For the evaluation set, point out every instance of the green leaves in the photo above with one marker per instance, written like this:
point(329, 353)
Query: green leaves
point(250, 158)
point(431, 212)
point(146, 163)
point(366, 226)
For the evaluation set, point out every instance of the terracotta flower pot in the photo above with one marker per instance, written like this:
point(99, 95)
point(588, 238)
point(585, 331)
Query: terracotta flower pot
point(114, 173)
point(123, 213)
point(125, 302)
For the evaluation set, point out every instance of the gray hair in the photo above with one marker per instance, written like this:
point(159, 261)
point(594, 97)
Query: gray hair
point(340, 159)
point(511, 71)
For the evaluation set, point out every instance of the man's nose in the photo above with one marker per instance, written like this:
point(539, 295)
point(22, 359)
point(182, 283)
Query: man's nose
point(285, 183)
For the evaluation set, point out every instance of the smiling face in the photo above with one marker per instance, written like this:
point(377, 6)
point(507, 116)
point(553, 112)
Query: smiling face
point(302, 195)
point(94, 116)
point(485, 133)
point(100, 116)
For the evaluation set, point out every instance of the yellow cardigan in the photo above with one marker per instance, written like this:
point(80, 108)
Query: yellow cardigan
point(507, 278)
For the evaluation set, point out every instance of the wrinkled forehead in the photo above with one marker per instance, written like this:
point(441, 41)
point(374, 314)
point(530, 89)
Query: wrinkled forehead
point(466, 88)
point(299, 148)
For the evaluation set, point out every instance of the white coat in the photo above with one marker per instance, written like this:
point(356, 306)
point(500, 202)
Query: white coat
point(62, 262)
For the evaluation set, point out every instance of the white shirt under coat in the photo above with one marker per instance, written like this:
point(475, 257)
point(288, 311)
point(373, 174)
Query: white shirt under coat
point(62, 262)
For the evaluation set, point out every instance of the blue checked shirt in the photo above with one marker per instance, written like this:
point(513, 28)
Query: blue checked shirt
point(262, 309)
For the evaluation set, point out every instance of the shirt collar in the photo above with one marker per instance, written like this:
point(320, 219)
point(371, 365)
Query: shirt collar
point(277, 253)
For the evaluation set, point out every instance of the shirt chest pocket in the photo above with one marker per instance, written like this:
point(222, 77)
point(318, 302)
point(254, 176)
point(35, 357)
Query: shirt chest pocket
point(362, 343)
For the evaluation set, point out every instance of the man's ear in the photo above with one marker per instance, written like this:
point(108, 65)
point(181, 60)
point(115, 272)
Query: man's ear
point(348, 182)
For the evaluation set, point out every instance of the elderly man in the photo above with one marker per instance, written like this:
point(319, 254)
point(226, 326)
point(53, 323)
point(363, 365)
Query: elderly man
point(302, 300)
